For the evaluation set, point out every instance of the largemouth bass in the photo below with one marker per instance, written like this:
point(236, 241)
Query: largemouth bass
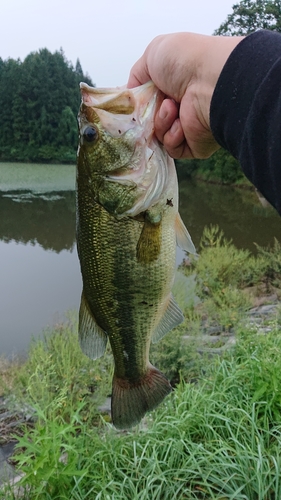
point(127, 227)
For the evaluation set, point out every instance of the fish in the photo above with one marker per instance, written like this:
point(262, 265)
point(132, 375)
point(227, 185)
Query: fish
point(127, 229)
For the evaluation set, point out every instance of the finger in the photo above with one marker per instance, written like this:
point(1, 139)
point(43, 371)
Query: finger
point(175, 143)
point(138, 74)
point(165, 117)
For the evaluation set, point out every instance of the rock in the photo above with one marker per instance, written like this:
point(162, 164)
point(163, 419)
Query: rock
point(268, 309)
point(265, 299)
point(213, 330)
point(106, 406)
point(7, 472)
point(217, 350)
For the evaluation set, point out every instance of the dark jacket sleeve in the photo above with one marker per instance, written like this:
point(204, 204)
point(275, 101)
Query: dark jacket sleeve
point(245, 112)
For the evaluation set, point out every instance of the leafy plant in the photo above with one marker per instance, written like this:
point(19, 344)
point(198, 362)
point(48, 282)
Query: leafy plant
point(220, 265)
point(57, 368)
point(271, 263)
point(50, 455)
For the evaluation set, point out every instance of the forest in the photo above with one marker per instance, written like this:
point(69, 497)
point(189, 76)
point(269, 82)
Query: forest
point(39, 100)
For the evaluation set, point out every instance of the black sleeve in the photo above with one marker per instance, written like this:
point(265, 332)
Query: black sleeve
point(245, 112)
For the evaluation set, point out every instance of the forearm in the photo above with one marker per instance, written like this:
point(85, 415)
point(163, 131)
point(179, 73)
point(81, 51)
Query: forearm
point(212, 54)
point(245, 112)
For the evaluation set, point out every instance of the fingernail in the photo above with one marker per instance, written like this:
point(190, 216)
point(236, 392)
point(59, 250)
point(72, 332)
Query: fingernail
point(162, 113)
point(174, 127)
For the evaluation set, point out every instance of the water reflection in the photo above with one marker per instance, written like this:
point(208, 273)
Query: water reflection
point(44, 218)
point(40, 274)
point(238, 212)
point(49, 218)
point(36, 288)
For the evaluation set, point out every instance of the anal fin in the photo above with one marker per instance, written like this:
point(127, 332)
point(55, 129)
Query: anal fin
point(172, 318)
point(92, 338)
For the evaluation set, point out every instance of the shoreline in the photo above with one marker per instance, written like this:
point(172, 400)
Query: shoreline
point(15, 414)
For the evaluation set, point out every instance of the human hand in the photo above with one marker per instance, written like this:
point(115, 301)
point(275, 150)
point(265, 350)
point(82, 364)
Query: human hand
point(185, 67)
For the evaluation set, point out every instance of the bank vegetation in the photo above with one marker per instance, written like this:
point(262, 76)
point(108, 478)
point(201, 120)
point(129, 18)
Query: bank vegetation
point(217, 436)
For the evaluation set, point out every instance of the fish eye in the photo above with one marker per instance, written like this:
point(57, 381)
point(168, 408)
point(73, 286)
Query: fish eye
point(90, 134)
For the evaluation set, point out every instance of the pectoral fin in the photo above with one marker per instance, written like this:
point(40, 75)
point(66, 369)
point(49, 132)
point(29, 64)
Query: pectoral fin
point(92, 338)
point(184, 240)
point(172, 317)
point(149, 244)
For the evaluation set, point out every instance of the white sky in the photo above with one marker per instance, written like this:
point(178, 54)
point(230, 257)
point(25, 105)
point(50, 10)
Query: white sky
point(108, 36)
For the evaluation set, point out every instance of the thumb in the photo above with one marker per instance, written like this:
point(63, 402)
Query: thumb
point(139, 74)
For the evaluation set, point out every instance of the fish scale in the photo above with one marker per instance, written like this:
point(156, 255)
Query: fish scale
point(118, 287)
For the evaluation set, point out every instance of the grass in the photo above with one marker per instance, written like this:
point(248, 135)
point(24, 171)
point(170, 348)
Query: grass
point(57, 366)
point(216, 437)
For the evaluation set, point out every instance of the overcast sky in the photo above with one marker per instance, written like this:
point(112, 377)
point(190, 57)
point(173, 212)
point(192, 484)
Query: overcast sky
point(108, 36)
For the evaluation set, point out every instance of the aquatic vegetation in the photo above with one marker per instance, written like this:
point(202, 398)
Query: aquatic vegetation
point(36, 178)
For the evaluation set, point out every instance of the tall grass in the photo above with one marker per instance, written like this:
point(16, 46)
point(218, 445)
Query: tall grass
point(217, 439)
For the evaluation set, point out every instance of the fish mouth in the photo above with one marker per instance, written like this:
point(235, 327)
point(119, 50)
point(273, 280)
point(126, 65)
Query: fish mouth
point(125, 111)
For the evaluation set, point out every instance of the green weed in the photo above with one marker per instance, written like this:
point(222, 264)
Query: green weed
point(228, 279)
point(57, 367)
point(217, 439)
point(270, 260)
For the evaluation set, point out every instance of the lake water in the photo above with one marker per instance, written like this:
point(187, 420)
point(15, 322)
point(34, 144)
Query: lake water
point(40, 275)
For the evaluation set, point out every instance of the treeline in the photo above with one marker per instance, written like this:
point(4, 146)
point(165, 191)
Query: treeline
point(221, 167)
point(39, 101)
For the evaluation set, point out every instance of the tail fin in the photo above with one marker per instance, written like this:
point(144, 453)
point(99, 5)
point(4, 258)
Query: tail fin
point(130, 401)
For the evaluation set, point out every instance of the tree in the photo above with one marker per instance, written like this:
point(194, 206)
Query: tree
point(78, 68)
point(39, 101)
point(249, 16)
point(67, 130)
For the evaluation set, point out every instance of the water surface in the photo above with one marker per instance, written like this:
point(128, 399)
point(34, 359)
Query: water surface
point(238, 212)
point(40, 275)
